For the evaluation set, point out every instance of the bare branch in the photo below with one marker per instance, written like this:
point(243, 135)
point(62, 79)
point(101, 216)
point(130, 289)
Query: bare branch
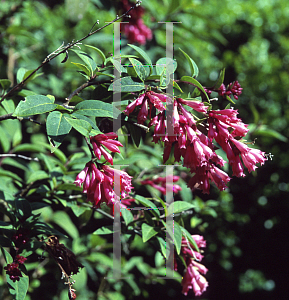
point(20, 156)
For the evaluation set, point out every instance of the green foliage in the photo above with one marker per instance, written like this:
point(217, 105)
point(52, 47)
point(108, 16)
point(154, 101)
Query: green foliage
point(248, 38)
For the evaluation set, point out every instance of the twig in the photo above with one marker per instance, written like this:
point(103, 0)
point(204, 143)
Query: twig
point(11, 117)
point(20, 156)
point(70, 45)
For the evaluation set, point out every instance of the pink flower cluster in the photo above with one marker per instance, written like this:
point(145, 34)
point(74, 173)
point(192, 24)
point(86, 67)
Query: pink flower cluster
point(164, 183)
point(98, 181)
point(192, 278)
point(136, 31)
point(234, 88)
point(146, 101)
point(192, 143)
point(13, 269)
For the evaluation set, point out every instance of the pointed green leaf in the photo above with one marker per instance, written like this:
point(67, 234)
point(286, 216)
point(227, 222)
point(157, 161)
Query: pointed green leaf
point(127, 215)
point(104, 230)
point(81, 126)
point(82, 68)
point(33, 105)
point(101, 54)
point(97, 108)
point(177, 237)
point(179, 206)
point(220, 80)
point(148, 204)
point(37, 175)
point(189, 237)
point(142, 53)
point(195, 83)
point(138, 68)
point(126, 84)
point(76, 115)
point(194, 68)
point(57, 128)
point(87, 59)
point(147, 232)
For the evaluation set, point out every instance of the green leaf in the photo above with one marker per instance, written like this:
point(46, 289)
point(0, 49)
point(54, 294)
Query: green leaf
point(37, 175)
point(23, 208)
point(179, 206)
point(62, 219)
point(175, 85)
point(189, 237)
point(127, 215)
point(20, 74)
point(76, 115)
point(6, 225)
point(150, 205)
point(138, 68)
point(96, 108)
point(147, 232)
point(8, 105)
point(195, 83)
point(142, 53)
point(87, 59)
point(104, 230)
point(101, 54)
point(120, 68)
point(126, 84)
point(220, 80)
point(82, 68)
point(83, 127)
point(194, 68)
point(163, 245)
point(177, 237)
point(7, 256)
point(33, 105)
point(5, 83)
point(166, 64)
point(18, 289)
point(57, 128)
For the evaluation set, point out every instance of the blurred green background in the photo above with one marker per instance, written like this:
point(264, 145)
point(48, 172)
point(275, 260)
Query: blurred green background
point(247, 240)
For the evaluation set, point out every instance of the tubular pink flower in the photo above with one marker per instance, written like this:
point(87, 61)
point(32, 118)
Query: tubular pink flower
point(196, 105)
point(82, 175)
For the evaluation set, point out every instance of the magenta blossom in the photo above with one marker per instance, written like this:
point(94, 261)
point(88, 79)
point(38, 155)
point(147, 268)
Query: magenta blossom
point(192, 278)
point(106, 140)
point(147, 101)
point(99, 185)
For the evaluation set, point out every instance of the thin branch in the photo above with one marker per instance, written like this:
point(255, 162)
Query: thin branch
point(11, 117)
point(70, 45)
point(19, 156)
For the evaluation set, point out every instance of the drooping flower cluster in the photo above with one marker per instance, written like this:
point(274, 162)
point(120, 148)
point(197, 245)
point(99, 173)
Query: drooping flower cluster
point(135, 31)
point(98, 184)
point(147, 101)
point(234, 88)
point(99, 181)
point(164, 183)
point(192, 143)
point(13, 269)
point(192, 278)
point(106, 140)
